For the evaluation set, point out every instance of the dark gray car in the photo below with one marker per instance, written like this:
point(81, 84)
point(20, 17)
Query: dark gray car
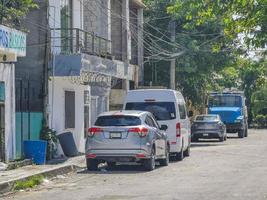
point(126, 136)
point(208, 126)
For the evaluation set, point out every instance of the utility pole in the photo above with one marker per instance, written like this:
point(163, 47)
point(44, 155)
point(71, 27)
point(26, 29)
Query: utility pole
point(172, 26)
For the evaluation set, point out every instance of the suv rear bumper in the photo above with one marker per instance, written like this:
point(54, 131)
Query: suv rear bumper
point(118, 155)
point(207, 133)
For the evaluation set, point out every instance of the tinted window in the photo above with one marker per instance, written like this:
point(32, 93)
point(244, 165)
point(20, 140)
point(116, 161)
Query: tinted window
point(118, 121)
point(225, 101)
point(182, 111)
point(206, 118)
point(161, 110)
point(150, 122)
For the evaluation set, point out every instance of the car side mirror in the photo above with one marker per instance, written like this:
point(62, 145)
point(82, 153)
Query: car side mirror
point(163, 127)
point(190, 113)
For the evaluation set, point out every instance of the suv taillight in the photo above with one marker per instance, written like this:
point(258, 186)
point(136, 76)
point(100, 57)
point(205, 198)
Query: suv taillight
point(94, 130)
point(178, 130)
point(142, 131)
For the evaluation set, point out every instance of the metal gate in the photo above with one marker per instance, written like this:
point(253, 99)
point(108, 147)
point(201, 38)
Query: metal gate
point(29, 112)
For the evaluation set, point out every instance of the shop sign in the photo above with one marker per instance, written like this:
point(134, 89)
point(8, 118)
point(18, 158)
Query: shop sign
point(12, 41)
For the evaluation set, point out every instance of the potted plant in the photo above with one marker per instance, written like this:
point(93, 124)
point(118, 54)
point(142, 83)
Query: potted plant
point(50, 136)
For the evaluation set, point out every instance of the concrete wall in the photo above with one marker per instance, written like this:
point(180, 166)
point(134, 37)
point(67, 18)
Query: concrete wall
point(57, 108)
point(7, 75)
point(97, 17)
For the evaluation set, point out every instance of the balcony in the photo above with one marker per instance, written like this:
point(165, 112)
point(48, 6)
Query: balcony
point(76, 41)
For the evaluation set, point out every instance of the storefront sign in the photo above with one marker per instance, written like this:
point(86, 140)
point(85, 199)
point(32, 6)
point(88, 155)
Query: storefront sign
point(12, 41)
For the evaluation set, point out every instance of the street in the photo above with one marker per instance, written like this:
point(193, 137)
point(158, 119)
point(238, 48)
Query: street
point(235, 169)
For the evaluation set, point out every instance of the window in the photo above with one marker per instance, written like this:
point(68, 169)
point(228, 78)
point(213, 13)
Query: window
point(182, 111)
point(207, 118)
point(161, 110)
point(149, 121)
point(118, 121)
point(66, 24)
point(225, 101)
point(69, 109)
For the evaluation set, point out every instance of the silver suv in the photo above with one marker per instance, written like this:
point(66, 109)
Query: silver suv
point(126, 136)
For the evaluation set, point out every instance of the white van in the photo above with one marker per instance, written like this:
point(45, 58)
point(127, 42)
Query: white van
point(168, 107)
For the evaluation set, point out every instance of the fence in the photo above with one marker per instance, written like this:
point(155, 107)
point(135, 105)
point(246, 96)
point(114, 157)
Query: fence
point(74, 40)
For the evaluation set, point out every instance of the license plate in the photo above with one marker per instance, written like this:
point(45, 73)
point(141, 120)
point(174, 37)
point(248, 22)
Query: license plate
point(205, 134)
point(115, 135)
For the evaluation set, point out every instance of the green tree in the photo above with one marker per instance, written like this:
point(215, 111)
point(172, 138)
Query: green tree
point(196, 68)
point(246, 17)
point(13, 11)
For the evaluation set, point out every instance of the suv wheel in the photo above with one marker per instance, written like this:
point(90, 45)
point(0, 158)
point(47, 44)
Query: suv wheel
point(92, 165)
point(165, 162)
point(150, 163)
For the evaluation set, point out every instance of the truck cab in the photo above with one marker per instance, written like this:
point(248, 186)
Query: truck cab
point(232, 109)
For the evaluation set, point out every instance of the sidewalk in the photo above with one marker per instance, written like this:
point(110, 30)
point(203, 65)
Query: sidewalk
point(8, 178)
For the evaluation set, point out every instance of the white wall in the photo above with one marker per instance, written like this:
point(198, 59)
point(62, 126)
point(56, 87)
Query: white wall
point(58, 108)
point(7, 75)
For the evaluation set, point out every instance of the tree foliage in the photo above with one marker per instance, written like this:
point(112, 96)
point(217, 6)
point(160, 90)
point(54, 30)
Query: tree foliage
point(13, 11)
point(197, 67)
point(246, 17)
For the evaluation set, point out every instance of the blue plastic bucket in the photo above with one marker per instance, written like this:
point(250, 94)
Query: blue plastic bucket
point(36, 151)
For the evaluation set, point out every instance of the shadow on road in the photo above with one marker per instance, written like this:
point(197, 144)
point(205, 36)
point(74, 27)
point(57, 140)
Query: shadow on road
point(118, 169)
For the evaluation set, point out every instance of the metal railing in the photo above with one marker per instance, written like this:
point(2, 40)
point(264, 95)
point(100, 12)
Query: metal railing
point(74, 40)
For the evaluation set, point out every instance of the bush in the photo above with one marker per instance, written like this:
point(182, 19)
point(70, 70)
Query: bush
point(261, 121)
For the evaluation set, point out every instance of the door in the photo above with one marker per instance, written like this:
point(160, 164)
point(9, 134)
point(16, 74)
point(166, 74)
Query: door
point(2, 132)
point(185, 124)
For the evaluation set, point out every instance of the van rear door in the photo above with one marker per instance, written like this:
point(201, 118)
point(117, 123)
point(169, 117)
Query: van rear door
point(164, 112)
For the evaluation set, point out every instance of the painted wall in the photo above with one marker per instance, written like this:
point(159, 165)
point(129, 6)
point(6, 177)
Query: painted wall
point(56, 108)
point(7, 75)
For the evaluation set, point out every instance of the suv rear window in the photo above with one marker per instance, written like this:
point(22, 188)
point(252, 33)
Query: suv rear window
point(161, 110)
point(206, 118)
point(114, 120)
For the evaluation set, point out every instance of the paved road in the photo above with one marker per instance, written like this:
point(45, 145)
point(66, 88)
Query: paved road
point(236, 169)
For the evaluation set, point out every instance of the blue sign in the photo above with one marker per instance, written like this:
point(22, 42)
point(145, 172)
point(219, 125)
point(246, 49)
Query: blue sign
point(12, 41)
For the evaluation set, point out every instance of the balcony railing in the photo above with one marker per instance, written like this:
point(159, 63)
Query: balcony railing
point(74, 40)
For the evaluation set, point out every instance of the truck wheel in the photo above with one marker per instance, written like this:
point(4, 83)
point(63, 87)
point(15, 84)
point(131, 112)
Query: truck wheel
point(241, 133)
point(92, 165)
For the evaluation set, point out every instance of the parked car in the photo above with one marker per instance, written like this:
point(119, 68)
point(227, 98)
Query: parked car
point(168, 107)
point(126, 136)
point(208, 126)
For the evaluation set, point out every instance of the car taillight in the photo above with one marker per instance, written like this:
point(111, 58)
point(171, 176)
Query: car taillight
point(142, 131)
point(92, 131)
point(178, 130)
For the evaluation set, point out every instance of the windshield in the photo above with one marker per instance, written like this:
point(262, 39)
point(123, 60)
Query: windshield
point(118, 121)
point(161, 110)
point(206, 118)
point(225, 101)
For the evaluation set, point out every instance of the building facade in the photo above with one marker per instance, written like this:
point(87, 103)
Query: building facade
point(94, 60)
point(82, 58)
point(12, 46)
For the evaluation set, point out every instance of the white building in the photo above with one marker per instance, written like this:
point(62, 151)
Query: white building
point(12, 45)
point(97, 56)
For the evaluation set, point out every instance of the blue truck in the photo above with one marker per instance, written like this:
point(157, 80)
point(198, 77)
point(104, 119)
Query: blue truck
point(232, 109)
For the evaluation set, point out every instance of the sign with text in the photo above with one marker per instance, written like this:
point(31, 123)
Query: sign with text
point(12, 41)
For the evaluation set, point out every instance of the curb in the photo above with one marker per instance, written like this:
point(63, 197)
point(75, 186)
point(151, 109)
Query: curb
point(49, 173)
